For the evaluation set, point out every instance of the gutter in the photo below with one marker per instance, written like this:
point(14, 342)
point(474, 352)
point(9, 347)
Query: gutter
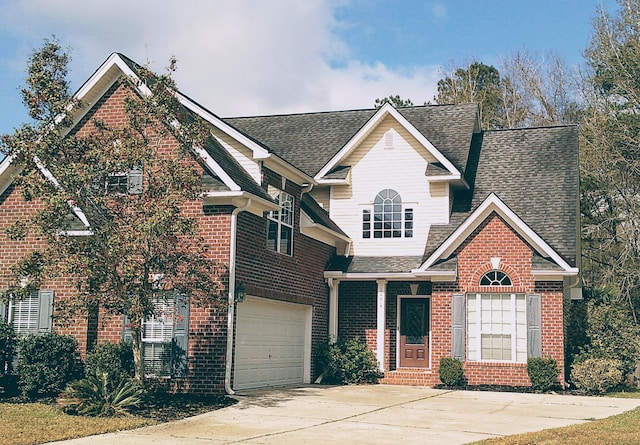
point(231, 295)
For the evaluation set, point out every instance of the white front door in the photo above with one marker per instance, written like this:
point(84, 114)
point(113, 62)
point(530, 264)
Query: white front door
point(273, 344)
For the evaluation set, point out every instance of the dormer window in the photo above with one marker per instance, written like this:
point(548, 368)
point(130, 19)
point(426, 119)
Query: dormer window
point(280, 223)
point(390, 219)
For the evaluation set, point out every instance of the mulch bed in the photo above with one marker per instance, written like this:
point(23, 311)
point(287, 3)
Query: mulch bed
point(180, 406)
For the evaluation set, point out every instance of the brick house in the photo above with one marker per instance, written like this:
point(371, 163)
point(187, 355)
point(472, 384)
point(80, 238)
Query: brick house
point(410, 228)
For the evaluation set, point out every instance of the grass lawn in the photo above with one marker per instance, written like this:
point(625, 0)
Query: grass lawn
point(36, 423)
point(620, 430)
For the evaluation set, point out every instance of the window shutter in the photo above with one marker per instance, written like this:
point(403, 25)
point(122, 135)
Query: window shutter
point(45, 310)
point(126, 329)
point(134, 181)
point(3, 311)
point(457, 329)
point(534, 331)
point(180, 336)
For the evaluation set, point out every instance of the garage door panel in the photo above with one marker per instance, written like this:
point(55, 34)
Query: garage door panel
point(270, 343)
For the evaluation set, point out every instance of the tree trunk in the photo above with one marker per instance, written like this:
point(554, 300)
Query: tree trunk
point(136, 344)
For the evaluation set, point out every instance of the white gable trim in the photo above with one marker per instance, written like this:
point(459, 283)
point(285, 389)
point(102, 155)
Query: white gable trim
point(113, 60)
point(259, 152)
point(385, 110)
point(494, 204)
point(215, 167)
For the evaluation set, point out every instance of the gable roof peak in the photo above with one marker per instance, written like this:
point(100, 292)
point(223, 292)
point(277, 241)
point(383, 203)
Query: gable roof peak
point(384, 111)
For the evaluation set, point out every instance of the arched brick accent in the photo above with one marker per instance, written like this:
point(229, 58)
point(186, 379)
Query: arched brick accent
point(474, 281)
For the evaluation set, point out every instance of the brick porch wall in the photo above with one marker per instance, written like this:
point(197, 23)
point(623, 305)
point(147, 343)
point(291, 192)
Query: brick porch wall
point(493, 238)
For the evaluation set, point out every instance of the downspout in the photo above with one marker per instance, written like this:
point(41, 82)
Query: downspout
point(232, 291)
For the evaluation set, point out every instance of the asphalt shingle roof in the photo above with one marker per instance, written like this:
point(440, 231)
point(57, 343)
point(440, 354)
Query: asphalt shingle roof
point(310, 140)
point(535, 173)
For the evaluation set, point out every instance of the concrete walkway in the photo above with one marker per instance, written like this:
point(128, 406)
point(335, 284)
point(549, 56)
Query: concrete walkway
point(377, 414)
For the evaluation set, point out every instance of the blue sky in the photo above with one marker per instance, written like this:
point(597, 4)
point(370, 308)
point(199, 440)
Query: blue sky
point(245, 57)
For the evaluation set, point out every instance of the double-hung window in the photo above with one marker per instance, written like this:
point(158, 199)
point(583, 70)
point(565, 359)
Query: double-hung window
point(31, 315)
point(165, 336)
point(496, 327)
point(388, 218)
point(280, 223)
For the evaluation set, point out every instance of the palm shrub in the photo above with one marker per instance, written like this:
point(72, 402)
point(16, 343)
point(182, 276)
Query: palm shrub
point(348, 361)
point(543, 373)
point(46, 363)
point(451, 372)
point(101, 395)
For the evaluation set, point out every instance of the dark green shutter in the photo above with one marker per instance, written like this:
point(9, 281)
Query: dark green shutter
point(134, 181)
point(534, 331)
point(45, 310)
point(180, 342)
point(457, 326)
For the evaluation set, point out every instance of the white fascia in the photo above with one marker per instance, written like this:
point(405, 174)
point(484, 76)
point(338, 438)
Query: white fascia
point(333, 181)
point(215, 167)
point(385, 110)
point(324, 234)
point(494, 204)
point(444, 276)
point(259, 152)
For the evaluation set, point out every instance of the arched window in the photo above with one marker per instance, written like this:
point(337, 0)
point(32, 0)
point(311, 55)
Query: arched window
point(495, 278)
point(388, 220)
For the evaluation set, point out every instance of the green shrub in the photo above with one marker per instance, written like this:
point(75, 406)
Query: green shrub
point(348, 361)
point(611, 332)
point(46, 363)
point(101, 395)
point(8, 343)
point(543, 373)
point(451, 372)
point(597, 375)
point(116, 359)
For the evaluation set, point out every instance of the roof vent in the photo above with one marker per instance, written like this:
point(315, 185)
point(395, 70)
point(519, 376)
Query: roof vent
point(388, 139)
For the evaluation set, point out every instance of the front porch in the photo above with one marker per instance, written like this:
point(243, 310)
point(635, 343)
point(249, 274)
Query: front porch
point(396, 320)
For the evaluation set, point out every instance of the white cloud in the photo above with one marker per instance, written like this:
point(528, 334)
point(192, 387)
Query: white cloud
point(235, 57)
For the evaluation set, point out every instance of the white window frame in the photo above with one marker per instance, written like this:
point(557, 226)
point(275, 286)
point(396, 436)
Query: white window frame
point(30, 306)
point(283, 218)
point(475, 329)
point(369, 216)
point(158, 332)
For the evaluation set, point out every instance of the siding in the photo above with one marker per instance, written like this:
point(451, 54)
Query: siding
point(401, 168)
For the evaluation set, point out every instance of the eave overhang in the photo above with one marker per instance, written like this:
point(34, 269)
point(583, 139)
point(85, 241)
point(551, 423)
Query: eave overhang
point(324, 234)
point(433, 276)
point(239, 198)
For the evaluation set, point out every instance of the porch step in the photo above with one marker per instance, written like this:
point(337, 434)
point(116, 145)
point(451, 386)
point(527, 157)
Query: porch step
point(411, 377)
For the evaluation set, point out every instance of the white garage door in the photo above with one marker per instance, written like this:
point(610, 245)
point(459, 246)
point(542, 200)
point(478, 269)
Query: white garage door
point(272, 344)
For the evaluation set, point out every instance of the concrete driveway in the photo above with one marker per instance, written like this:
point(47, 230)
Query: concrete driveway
point(377, 414)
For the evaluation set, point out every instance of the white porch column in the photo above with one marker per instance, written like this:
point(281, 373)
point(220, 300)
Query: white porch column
point(333, 309)
point(381, 317)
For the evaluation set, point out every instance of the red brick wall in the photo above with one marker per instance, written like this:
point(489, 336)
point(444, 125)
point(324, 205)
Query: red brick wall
point(13, 207)
point(298, 278)
point(493, 238)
